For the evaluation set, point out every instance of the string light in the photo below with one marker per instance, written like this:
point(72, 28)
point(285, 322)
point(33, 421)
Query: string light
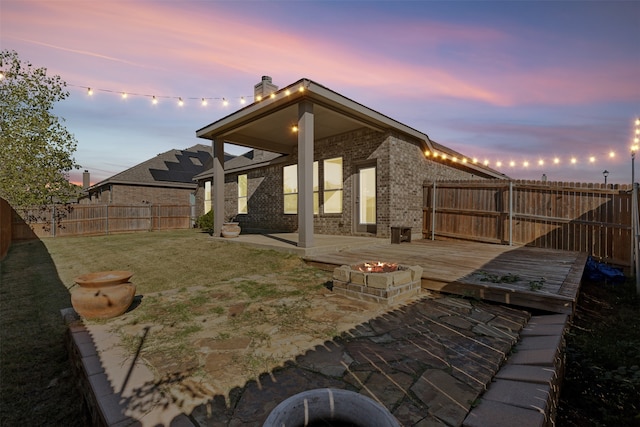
point(294, 128)
point(179, 99)
point(242, 100)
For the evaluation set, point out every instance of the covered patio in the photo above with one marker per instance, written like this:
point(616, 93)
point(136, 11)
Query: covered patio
point(290, 121)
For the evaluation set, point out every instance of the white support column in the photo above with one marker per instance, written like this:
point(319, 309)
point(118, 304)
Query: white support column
point(218, 185)
point(305, 174)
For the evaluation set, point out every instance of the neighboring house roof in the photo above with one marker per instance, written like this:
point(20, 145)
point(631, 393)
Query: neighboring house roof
point(249, 160)
point(267, 124)
point(174, 168)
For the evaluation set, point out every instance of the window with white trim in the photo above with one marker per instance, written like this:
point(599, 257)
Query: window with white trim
point(243, 186)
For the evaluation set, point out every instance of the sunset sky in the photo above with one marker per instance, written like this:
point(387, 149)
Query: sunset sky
point(497, 80)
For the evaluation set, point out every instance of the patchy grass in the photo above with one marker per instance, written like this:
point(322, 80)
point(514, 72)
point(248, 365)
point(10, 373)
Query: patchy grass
point(602, 379)
point(166, 260)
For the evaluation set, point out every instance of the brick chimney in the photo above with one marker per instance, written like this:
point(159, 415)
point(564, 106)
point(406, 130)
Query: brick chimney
point(86, 179)
point(263, 89)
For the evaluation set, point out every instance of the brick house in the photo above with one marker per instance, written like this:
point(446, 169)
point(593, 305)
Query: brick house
point(334, 166)
point(165, 179)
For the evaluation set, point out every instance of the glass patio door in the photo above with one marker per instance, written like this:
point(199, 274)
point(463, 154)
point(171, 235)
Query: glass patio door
point(365, 209)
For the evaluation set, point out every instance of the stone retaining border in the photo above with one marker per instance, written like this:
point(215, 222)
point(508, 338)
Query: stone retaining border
point(526, 389)
point(102, 405)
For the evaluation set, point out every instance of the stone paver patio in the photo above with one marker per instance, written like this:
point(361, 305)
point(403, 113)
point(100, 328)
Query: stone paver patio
point(428, 361)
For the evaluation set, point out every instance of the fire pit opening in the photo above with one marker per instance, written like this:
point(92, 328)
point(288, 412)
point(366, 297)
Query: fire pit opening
point(330, 407)
point(376, 267)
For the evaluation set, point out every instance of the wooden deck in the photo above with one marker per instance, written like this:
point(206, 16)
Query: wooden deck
point(544, 279)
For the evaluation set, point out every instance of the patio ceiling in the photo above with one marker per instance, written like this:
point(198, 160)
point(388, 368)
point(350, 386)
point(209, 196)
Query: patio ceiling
point(268, 124)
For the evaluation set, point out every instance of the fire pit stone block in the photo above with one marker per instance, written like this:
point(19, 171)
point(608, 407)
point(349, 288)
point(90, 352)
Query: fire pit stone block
point(358, 278)
point(380, 280)
point(342, 273)
point(416, 272)
point(402, 277)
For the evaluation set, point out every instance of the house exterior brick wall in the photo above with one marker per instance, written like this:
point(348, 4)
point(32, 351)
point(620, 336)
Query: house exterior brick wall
point(401, 170)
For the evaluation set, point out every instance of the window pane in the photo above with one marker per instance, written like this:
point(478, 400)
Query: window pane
point(333, 201)
point(368, 196)
point(290, 203)
point(316, 203)
point(333, 174)
point(290, 179)
point(242, 185)
point(207, 196)
point(242, 205)
point(316, 185)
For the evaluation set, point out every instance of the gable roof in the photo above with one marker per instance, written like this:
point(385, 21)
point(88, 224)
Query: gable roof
point(249, 160)
point(174, 168)
point(267, 124)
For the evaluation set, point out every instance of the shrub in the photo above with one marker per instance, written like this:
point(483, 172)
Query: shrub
point(205, 222)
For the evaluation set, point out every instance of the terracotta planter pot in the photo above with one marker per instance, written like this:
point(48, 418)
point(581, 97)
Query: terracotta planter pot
point(103, 295)
point(230, 229)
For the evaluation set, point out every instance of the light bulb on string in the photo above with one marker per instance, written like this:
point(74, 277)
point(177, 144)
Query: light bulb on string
point(242, 100)
point(259, 98)
point(204, 102)
point(225, 102)
point(574, 160)
point(154, 101)
point(592, 159)
point(180, 102)
point(556, 161)
point(89, 91)
point(124, 95)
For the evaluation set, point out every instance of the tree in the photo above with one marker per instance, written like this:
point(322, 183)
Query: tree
point(36, 150)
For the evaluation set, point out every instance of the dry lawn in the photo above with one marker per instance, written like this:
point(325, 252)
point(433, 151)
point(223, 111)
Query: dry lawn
point(218, 314)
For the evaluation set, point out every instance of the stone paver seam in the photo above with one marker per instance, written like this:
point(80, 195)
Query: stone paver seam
point(469, 338)
point(445, 394)
point(454, 367)
point(446, 362)
point(429, 336)
point(364, 387)
point(384, 373)
point(482, 383)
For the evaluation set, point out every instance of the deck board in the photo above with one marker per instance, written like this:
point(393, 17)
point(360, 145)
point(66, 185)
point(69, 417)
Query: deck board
point(547, 279)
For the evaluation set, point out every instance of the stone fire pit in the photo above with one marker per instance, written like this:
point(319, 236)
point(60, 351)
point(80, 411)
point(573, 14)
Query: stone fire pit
point(377, 281)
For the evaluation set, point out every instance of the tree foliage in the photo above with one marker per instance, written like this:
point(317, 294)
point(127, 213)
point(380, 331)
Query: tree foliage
point(36, 150)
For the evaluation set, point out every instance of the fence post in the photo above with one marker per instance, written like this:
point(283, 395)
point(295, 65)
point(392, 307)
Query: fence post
point(635, 229)
point(433, 212)
point(53, 220)
point(106, 224)
point(510, 213)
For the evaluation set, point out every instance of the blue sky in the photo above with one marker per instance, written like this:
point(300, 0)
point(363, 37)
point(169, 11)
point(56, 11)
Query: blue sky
point(497, 80)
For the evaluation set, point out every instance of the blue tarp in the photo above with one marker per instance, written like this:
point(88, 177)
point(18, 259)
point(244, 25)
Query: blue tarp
point(599, 272)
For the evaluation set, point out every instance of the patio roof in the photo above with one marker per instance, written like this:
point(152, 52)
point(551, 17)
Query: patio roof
point(268, 124)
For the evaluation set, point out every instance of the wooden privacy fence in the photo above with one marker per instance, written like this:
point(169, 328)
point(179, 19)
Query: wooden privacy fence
point(555, 215)
point(86, 220)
